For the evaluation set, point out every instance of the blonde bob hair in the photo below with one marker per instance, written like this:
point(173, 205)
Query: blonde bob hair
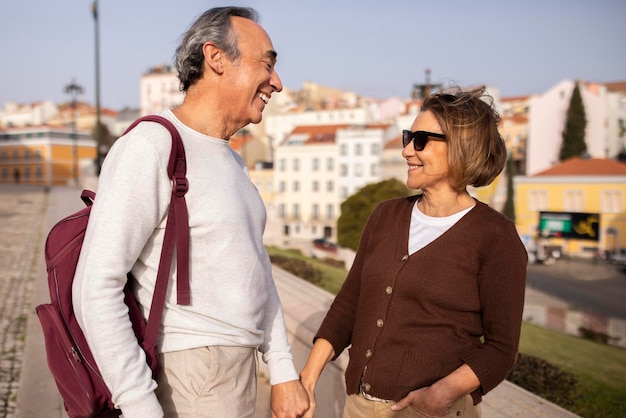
point(468, 119)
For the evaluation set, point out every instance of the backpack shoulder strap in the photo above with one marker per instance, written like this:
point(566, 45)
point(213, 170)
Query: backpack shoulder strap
point(176, 232)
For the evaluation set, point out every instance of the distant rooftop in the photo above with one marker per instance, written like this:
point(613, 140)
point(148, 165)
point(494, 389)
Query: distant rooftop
point(577, 166)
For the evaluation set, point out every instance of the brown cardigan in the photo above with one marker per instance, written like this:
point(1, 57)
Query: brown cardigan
point(412, 320)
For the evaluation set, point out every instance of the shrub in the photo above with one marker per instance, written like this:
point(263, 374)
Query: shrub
point(597, 336)
point(545, 380)
point(298, 267)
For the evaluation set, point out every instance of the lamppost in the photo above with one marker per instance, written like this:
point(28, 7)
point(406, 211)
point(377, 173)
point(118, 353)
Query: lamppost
point(98, 130)
point(74, 89)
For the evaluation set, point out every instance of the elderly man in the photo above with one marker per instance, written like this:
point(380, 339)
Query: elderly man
point(208, 349)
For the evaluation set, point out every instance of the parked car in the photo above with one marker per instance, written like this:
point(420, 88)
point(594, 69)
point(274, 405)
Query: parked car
point(618, 258)
point(325, 245)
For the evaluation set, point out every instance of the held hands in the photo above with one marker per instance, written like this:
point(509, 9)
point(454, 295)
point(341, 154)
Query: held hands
point(289, 400)
point(310, 389)
point(426, 401)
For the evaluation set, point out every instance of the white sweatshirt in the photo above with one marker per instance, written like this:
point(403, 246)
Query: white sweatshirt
point(233, 297)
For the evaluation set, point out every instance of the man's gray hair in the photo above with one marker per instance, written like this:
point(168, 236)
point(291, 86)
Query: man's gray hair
point(214, 26)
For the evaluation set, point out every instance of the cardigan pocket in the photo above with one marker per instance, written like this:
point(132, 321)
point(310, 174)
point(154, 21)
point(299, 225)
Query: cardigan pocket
point(418, 370)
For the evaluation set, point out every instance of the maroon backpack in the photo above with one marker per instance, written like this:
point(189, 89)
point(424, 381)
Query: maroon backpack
point(70, 360)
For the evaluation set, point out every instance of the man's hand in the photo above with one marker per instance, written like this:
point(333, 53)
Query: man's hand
point(289, 400)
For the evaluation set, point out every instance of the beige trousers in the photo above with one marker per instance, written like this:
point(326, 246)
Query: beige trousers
point(359, 407)
point(208, 382)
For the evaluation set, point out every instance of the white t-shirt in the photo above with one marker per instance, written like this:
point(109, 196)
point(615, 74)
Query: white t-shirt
point(425, 229)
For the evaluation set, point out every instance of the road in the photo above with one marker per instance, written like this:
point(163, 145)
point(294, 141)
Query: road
point(597, 289)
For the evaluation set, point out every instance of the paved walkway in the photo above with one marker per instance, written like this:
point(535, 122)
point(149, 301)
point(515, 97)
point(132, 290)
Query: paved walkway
point(26, 387)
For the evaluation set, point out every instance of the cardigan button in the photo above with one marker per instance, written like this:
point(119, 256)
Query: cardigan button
point(368, 353)
point(380, 323)
point(388, 290)
point(405, 257)
point(367, 387)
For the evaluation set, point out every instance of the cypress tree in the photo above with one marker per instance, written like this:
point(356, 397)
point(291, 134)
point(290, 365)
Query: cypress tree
point(509, 204)
point(573, 144)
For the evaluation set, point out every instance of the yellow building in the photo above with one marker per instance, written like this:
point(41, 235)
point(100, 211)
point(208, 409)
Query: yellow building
point(44, 155)
point(577, 207)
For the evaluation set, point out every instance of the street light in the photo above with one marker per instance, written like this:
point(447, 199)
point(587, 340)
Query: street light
point(74, 89)
point(98, 131)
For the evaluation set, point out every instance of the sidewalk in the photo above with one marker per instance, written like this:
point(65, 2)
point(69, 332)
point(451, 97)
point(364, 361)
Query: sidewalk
point(30, 392)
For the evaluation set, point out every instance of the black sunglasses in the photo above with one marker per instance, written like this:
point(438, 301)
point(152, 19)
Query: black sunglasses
point(420, 138)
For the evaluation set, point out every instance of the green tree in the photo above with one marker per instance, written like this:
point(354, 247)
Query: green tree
point(509, 204)
point(357, 208)
point(573, 144)
point(103, 145)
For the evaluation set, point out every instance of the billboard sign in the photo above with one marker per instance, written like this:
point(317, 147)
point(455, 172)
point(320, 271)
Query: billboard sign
point(569, 225)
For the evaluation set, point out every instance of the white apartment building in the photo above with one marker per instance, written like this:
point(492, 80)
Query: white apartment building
point(360, 156)
point(305, 181)
point(547, 114)
point(159, 90)
point(278, 126)
point(317, 167)
point(31, 114)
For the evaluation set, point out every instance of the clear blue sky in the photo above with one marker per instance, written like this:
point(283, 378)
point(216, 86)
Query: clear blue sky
point(373, 47)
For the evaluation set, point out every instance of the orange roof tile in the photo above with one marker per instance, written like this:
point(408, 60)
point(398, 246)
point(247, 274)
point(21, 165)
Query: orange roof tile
point(394, 143)
point(577, 166)
point(514, 98)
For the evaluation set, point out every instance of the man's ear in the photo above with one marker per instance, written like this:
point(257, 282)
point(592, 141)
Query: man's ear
point(214, 57)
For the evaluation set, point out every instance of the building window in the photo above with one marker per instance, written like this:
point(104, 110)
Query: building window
point(3, 155)
point(296, 211)
point(316, 164)
point(26, 173)
point(38, 172)
point(316, 211)
point(358, 170)
point(374, 170)
point(16, 155)
point(375, 149)
point(611, 201)
point(330, 212)
point(296, 186)
point(574, 201)
point(37, 154)
point(343, 150)
point(316, 186)
point(296, 164)
point(281, 164)
point(538, 200)
point(26, 154)
point(281, 211)
point(330, 164)
point(343, 193)
point(358, 149)
point(343, 170)
point(281, 186)
point(330, 186)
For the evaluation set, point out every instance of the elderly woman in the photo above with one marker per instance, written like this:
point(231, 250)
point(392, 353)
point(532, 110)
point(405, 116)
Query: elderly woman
point(432, 306)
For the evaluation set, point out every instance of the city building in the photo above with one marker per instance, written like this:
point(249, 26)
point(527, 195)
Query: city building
point(317, 167)
point(45, 155)
point(159, 90)
point(577, 207)
point(605, 111)
point(30, 114)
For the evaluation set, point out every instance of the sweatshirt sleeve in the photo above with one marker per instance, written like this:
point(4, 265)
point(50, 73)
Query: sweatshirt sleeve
point(132, 199)
point(502, 284)
point(275, 349)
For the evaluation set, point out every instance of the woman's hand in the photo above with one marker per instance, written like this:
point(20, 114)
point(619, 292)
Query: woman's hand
point(425, 401)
